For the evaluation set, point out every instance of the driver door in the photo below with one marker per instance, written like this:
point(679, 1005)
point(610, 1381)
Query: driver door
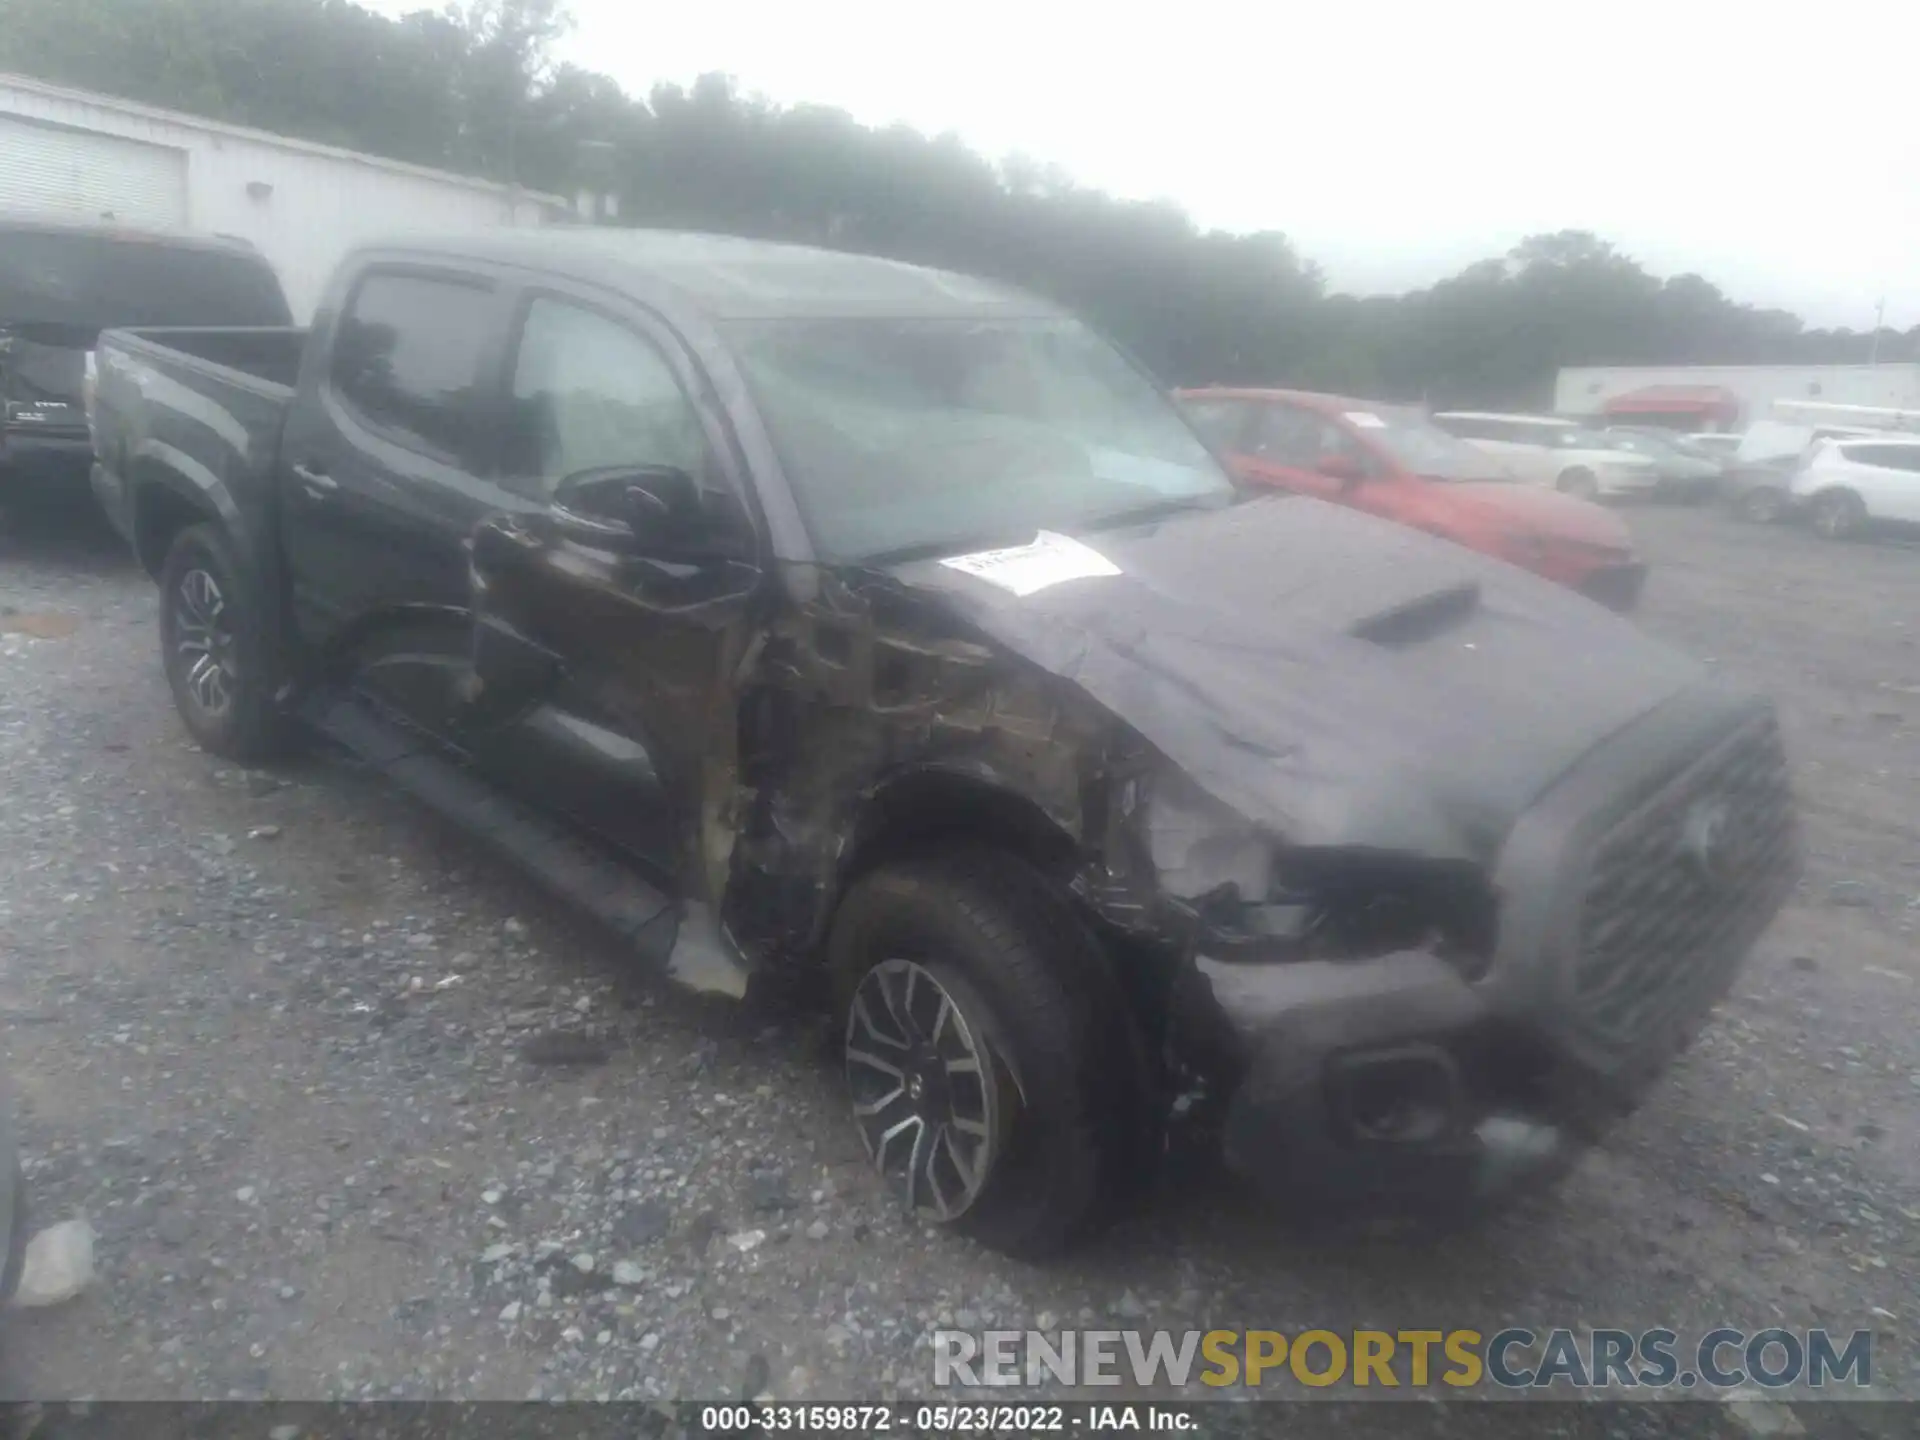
point(604, 668)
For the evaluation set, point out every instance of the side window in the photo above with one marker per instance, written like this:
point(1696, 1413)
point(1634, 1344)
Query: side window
point(1462, 427)
point(1888, 457)
point(1222, 422)
point(406, 356)
point(1286, 436)
point(588, 392)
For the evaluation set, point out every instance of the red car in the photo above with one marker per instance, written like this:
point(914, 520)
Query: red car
point(1394, 462)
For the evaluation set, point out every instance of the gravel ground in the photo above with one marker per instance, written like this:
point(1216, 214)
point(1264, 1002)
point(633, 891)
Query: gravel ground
point(356, 1114)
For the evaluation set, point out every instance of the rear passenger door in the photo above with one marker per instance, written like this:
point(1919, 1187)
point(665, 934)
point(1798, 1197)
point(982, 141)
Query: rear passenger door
point(387, 453)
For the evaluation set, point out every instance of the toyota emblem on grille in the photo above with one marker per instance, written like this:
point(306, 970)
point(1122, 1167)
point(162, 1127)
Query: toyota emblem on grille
point(1704, 839)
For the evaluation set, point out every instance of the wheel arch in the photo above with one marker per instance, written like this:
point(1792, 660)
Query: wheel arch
point(162, 507)
point(928, 806)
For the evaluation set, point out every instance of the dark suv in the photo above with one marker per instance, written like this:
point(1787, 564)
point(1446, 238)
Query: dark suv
point(61, 284)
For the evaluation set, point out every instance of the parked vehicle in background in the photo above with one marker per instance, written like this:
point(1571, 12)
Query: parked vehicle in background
point(1685, 474)
point(810, 617)
point(1559, 453)
point(1713, 444)
point(60, 286)
point(1757, 482)
point(1392, 461)
point(1848, 486)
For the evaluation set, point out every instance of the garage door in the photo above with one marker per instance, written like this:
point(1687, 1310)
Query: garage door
point(47, 170)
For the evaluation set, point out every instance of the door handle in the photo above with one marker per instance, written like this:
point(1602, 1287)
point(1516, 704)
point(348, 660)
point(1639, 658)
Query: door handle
point(318, 484)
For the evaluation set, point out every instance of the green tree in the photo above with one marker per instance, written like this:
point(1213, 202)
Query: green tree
point(473, 87)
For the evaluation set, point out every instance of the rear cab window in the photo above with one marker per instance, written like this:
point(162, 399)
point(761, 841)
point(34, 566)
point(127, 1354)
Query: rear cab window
point(407, 356)
point(79, 282)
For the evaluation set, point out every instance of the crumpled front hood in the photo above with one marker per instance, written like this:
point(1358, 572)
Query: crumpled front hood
point(1338, 680)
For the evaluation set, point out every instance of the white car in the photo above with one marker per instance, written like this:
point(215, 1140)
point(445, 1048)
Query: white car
point(1560, 453)
point(1846, 485)
point(1720, 444)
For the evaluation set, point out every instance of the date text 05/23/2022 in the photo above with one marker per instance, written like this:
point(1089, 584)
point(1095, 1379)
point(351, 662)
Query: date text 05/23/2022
point(946, 1419)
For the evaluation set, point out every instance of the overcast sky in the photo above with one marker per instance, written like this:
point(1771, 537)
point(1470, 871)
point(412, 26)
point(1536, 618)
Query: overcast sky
point(1776, 150)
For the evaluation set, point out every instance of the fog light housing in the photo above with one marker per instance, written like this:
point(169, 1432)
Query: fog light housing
point(1408, 1095)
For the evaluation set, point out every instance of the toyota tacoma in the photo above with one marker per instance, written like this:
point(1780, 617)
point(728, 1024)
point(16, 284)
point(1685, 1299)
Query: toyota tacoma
point(802, 615)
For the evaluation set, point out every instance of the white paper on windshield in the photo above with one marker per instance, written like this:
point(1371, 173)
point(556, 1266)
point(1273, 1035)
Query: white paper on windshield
point(1025, 569)
point(1366, 420)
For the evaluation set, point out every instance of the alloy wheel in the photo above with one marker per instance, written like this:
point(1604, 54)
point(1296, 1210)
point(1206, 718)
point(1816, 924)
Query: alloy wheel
point(923, 1092)
point(203, 642)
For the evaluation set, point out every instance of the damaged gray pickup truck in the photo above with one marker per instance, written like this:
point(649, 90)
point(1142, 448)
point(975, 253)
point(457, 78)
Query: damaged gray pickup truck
point(802, 614)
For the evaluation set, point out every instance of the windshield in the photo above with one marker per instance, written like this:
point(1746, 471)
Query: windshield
point(1423, 447)
point(61, 283)
point(935, 436)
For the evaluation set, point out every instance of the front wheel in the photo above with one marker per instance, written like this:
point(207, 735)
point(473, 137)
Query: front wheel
point(986, 1051)
point(1580, 484)
point(1839, 515)
point(216, 648)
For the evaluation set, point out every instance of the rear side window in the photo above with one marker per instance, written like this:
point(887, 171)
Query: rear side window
point(407, 356)
point(1467, 428)
point(1888, 457)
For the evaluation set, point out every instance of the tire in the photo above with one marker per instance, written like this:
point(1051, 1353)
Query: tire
point(994, 966)
point(1839, 514)
point(210, 615)
point(1578, 483)
point(1762, 505)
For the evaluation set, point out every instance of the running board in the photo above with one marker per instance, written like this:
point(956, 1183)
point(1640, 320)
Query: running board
point(559, 860)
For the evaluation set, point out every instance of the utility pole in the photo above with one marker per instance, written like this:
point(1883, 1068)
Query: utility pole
point(1879, 314)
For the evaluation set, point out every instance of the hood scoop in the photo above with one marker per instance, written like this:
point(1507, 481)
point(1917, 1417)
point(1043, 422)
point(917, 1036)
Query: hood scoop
point(1423, 619)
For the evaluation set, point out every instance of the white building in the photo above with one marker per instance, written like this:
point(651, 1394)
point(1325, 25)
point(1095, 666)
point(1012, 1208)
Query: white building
point(84, 156)
point(1726, 397)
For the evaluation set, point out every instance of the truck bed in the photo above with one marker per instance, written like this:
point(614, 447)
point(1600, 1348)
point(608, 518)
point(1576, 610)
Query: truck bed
point(270, 355)
point(195, 412)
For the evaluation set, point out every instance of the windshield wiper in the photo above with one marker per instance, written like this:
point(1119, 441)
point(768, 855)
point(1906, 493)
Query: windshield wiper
point(943, 549)
point(1142, 514)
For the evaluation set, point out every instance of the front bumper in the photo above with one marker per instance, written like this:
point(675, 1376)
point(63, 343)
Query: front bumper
point(34, 458)
point(1617, 587)
point(1401, 1084)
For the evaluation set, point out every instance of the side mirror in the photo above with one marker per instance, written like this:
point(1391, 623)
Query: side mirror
point(1343, 468)
point(634, 509)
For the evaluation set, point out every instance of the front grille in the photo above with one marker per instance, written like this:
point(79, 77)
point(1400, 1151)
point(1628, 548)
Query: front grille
point(1682, 886)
